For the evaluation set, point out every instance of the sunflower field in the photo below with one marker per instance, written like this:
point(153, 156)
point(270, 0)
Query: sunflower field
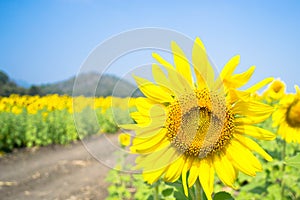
point(28, 121)
point(194, 135)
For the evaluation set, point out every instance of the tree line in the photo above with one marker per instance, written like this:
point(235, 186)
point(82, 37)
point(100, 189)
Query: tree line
point(8, 87)
point(108, 85)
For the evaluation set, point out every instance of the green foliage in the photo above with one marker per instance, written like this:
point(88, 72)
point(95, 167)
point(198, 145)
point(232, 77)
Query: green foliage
point(293, 161)
point(132, 186)
point(276, 174)
point(55, 127)
point(35, 90)
point(110, 119)
point(223, 196)
point(8, 87)
point(3, 78)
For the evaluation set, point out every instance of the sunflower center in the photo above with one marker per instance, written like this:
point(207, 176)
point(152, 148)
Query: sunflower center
point(199, 123)
point(293, 114)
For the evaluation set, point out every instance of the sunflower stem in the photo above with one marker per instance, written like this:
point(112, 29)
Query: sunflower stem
point(283, 168)
point(192, 193)
point(199, 193)
point(156, 192)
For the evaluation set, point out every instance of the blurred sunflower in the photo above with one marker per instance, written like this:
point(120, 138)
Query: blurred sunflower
point(186, 128)
point(124, 139)
point(275, 91)
point(287, 117)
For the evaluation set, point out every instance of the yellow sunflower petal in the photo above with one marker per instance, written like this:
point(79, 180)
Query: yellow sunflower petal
point(149, 131)
point(153, 91)
point(282, 130)
point(194, 172)
point(206, 176)
point(129, 126)
point(155, 119)
point(248, 120)
point(178, 84)
point(250, 144)
point(297, 90)
point(243, 159)
point(142, 149)
point(164, 159)
point(238, 80)
point(153, 176)
point(149, 141)
point(156, 160)
point(144, 104)
point(224, 169)
point(254, 109)
point(186, 167)
point(174, 170)
point(230, 67)
point(203, 69)
point(256, 132)
point(161, 79)
point(162, 61)
point(236, 95)
point(259, 85)
point(278, 117)
point(225, 77)
point(183, 178)
point(181, 63)
point(140, 118)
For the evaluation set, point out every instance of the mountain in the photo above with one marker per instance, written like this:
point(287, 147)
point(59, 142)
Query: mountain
point(22, 83)
point(8, 86)
point(88, 83)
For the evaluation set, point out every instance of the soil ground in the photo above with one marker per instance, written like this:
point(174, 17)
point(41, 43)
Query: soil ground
point(57, 172)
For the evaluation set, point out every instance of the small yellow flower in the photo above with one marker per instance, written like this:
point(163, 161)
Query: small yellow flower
point(287, 117)
point(194, 129)
point(275, 91)
point(124, 139)
point(45, 115)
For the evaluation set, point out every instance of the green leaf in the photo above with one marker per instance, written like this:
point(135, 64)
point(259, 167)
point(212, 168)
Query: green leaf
point(179, 195)
point(223, 196)
point(293, 161)
point(274, 191)
point(150, 197)
point(177, 185)
point(167, 192)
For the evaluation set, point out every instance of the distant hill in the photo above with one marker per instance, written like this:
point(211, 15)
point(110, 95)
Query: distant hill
point(22, 83)
point(8, 86)
point(87, 83)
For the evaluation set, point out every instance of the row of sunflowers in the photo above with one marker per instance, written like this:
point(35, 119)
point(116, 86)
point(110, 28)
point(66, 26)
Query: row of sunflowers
point(198, 133)
point(28, 121)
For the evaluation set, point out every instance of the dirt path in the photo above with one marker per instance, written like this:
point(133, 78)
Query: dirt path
point(57, 172)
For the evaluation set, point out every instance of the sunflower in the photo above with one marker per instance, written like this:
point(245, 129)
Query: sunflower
point(124, 139)
point(287, 117)
point(275, 91)
point(193, 129)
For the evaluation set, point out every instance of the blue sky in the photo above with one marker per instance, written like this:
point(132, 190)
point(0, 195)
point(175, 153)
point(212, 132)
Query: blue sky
point(47, 41)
